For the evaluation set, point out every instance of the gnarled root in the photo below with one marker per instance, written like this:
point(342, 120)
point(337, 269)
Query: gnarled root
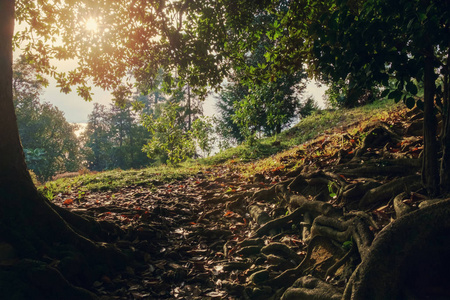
point(310, 288)
point(409, 256)
point(31, 228)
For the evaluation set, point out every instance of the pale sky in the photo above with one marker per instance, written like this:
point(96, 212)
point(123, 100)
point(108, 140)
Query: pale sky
point(76, 110)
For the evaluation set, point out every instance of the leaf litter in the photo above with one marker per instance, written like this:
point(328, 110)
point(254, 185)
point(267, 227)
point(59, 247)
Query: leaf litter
point(202, 237)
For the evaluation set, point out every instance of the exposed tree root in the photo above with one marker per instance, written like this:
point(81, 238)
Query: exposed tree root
point(354, 229)
point(409, 256)
point(63, 239)
point(303, 205)
point(389, 190)
point(310, 288)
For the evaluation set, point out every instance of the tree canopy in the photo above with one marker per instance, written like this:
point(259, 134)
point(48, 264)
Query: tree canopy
point(360, 44)
point(398, 46)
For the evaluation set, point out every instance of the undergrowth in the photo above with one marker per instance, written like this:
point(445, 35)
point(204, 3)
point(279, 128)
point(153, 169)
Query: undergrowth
point(265, 154)
point(318, 123)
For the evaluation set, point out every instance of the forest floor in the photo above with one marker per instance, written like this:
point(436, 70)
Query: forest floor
point(218, 234)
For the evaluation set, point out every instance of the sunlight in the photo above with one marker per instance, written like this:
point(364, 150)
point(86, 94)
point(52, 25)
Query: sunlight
point(91, 25)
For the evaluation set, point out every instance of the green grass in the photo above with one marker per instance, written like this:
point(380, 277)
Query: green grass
point(308, 128)
point(263, 155)
point(115, 179)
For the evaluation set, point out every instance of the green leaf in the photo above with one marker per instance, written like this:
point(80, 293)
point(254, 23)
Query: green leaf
point(420, 104)
point(276, 24)
point(347, 245)
point(276, 35)
point(422, 17)
point(396, 95)
point(411, 88)
point(410, 102)
point(385, 93)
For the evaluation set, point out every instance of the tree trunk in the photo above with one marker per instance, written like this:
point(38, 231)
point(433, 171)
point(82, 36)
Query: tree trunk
point(189, 107)
point(430, 170)
point(445, 163)
point(29, 223)
point(13, 169)
point(408, 257)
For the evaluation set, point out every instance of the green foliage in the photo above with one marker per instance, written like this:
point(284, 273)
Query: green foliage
point(169, 143)
point(49, 141)
point(202, 133)
point(339, 95)
point(228, 130)
point(332, 192)
point(114, 138)
point(247, 113)
point(347, 245)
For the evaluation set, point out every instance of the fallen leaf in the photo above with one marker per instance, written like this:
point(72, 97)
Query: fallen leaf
point(228, 214)
point(68, 202)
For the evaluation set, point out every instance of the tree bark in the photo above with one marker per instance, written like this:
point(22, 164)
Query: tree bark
point(430, 168)
point(445, 163)
point(407, 257)
point(29, 223)
point(12, 160)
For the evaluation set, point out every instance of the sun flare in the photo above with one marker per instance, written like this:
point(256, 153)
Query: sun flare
point(91, 25)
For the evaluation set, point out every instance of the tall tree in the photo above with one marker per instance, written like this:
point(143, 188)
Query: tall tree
point(97, 141)
point(374, 41)
point(29, 223)
point(196, 40)
point(49, 141)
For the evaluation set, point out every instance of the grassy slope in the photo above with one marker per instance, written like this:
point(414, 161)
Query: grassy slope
point(268, 153)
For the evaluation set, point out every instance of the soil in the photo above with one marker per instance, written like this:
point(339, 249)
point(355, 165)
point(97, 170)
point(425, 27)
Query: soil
point(297, 234)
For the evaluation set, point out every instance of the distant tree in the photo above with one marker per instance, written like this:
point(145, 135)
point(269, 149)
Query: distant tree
point(50, 143)
point(121, 123)
point(338, 95)
point(97, 139)
point(170, 121)
point(271, 107)
point(261, 109)
point(203, 134)
point(170, 142)
point(227, 128)
point(190, 106)
point(114, 138)
point(128, 136)
point(150, 92)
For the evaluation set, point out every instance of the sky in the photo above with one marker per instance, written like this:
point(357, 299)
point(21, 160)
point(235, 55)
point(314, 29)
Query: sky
point(76, 110)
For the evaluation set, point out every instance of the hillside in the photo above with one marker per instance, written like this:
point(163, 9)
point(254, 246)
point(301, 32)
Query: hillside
point(295, 224)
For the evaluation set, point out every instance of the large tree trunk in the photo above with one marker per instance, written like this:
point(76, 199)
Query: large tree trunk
point(30, 225)
point(408, 257)
point(13, 170)
point(430, 169)
point(445, 163)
